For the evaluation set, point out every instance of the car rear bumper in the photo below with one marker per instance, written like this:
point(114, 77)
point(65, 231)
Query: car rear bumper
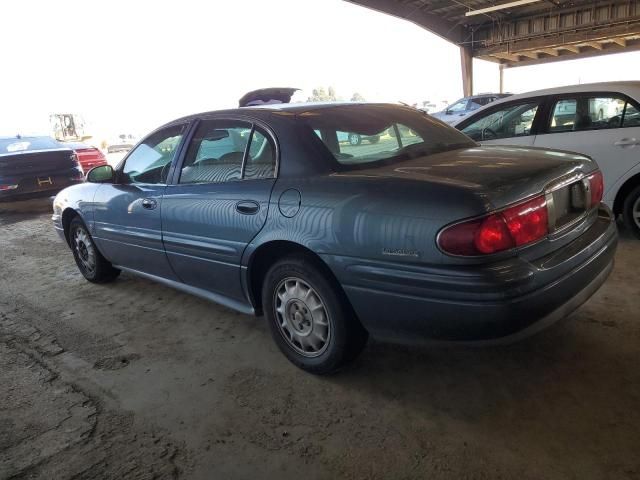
point(505, 301)
point(43, 185)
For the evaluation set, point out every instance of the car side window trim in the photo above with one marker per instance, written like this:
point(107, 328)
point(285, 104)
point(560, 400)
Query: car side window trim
point(246, 151)
point(553, 100)
point(174, 170)
point(254, 122)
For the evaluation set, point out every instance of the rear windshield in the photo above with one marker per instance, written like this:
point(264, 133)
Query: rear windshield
point(361, 135)
point(25, 144)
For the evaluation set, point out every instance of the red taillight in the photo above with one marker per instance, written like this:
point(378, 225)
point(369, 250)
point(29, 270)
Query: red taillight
point(513, 227)
point(596, 185)
point(493, 235)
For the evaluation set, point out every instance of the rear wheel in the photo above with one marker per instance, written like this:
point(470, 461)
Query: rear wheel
point(374, 139)
point(310, 320)
point(93, 266)
point(631, 211)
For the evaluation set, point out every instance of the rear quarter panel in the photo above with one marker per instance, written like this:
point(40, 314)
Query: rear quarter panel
point(364, 217)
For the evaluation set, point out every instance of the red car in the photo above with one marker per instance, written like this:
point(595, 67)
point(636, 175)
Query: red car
point(88, 156)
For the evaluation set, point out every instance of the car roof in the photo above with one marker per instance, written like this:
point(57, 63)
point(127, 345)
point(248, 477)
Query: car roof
point(295, 108)
point(631, 88)
point(489, 94)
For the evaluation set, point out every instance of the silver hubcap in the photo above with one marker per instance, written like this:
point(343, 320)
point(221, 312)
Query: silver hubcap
point(353, 139)
point(302, 317)
point(85, 250)
point(635, 212)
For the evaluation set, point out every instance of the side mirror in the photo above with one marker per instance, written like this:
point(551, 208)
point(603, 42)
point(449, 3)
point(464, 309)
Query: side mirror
point(448, 112)
point(101, 174)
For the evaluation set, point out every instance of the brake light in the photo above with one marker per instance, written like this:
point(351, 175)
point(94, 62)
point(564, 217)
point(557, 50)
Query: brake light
point(515, 226)
point(596, 185)
point(8, 187)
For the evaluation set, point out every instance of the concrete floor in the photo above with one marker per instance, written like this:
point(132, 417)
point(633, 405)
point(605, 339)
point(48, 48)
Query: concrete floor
point(135, 380)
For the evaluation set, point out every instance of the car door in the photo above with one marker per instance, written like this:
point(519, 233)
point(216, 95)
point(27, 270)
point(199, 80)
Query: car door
point(505, 124)
point(127, 220)
point(605, 126)
point(218, 202)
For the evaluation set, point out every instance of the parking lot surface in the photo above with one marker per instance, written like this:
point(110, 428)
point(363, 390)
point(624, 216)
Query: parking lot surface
point(135, 380)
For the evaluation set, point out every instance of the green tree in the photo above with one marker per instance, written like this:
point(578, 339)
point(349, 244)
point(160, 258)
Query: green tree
point(356, 97)
point(319, 94)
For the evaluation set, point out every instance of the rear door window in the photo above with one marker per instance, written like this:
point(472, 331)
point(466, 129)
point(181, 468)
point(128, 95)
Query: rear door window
point(225, 151)
point(631, 116)
point(514, 120)
point(585, 112)
point(216, 152)
point(261, 159)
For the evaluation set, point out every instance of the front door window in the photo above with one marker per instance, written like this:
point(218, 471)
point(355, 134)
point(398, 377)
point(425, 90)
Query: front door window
point(150, 161)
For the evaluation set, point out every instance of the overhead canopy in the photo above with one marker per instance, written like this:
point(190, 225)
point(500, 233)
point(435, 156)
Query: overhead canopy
point(524, 32)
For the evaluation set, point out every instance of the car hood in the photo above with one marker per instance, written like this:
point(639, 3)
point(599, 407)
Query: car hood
point(501, 175)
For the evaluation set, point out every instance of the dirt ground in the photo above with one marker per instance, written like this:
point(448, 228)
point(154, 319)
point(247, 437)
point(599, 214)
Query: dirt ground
point(135, 380)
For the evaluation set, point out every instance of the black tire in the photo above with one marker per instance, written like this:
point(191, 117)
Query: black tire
point(86, 254)
point(631, 210)
point(355, 139)
point(344, 335)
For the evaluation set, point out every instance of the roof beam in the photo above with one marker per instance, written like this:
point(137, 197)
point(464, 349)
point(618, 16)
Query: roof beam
point(502, 6)
point(622, 42)
point(552, 52)
point(571, 48)
point(511, 57)
point(534, 55)
point(596, 45)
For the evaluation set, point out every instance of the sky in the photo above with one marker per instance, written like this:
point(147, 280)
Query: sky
point(129, 66)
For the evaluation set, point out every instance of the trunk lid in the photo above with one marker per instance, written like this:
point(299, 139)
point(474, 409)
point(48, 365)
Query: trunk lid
point(37, 162)
point(500, 175)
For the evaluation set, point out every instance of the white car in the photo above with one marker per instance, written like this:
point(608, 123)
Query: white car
point(600, 120)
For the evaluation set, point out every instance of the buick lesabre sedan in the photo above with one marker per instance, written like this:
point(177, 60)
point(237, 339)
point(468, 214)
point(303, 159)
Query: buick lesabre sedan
point(421, 235)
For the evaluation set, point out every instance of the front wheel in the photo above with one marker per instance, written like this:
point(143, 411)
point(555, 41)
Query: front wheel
point(310, 319)
point(93, 266)
point(631, 211)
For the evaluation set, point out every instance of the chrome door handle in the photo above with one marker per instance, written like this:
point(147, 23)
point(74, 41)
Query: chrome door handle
point(626, 142)
point(149, 203)
point(248, 207)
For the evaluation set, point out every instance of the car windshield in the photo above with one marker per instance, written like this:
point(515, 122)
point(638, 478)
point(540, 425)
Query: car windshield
point(360, 135)
point(23, 144)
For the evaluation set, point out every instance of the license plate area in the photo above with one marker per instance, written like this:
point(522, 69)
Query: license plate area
point(567, 204)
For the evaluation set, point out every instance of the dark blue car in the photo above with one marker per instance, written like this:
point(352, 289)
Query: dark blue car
point(423, 234)
point(36, 166)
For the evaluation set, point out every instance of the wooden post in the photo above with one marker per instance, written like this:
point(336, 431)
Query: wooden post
point(466, 62)
point(501, 66)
